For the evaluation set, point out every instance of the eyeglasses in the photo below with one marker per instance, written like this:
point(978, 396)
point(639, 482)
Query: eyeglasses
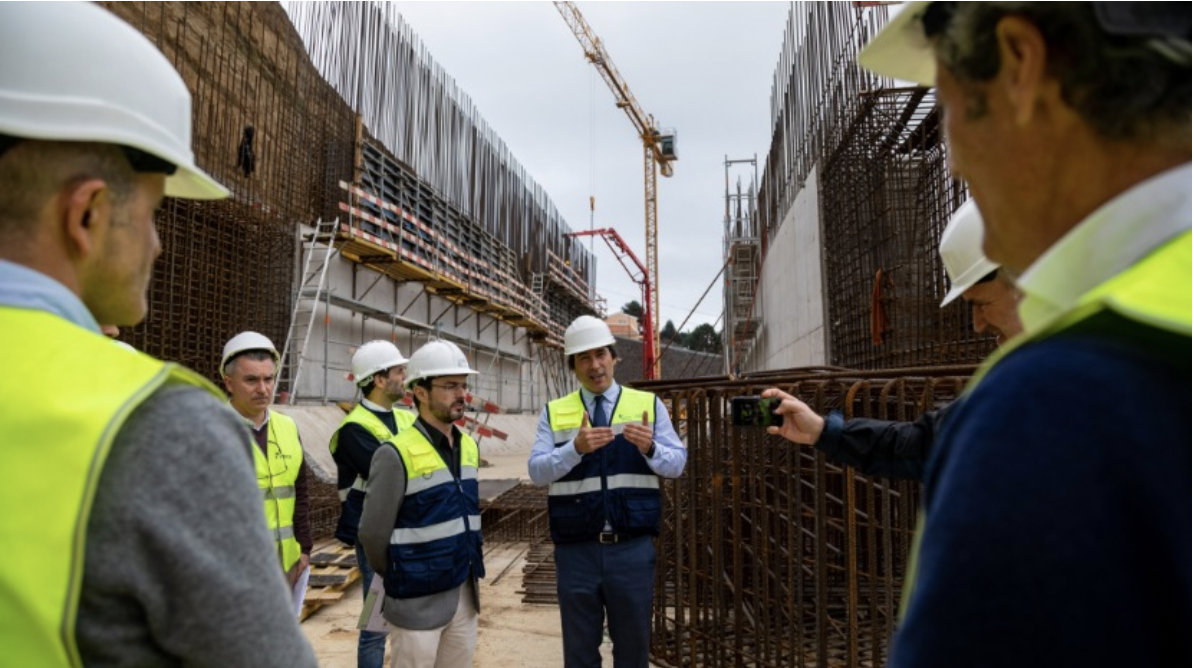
point(452, 387)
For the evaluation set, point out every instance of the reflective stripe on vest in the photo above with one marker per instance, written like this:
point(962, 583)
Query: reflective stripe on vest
point(619, 481)
point(358, 484)
point(436, 541)
point(1156, 291)
point(42, 426)
point(277, 470)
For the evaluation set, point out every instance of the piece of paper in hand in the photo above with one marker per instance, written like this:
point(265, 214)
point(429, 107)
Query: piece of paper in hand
point(371, 619)
point(300, 591)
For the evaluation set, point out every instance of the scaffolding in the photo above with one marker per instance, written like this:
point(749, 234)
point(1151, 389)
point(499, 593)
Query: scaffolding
point(441, 207)
point(744, 254)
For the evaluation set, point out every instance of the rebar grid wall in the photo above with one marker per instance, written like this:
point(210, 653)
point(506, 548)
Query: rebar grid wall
point(885, 193)
point(770, 555)
point(228, 266)
point(414, 108)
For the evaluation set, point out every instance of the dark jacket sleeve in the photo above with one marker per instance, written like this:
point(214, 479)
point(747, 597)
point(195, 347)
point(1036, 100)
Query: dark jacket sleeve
point(356, 449)
point(302, 509)
point(882, 448)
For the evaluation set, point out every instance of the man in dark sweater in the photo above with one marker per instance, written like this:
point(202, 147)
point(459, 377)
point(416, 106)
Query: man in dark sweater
point(379, 369)
point(900, 449)
point(1056, 501)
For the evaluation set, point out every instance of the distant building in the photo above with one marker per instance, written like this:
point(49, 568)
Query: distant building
point(624, 325)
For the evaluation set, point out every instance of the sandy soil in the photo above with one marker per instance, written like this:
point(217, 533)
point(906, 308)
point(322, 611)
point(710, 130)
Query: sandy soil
point(510, 634)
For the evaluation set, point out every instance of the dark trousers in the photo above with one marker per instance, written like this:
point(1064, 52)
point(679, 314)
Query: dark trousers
point(596, 582)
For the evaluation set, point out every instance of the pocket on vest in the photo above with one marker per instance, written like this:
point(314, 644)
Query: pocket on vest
point(641, 512)
point(426, 568)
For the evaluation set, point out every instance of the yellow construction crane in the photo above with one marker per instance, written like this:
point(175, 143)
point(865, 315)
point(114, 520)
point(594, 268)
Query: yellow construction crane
point(659, 148)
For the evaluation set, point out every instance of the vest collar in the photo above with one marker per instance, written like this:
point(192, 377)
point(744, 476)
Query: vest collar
point(1113, 238)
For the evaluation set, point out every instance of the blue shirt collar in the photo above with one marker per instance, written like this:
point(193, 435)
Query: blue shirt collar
point(611, 394)
point(22, 287)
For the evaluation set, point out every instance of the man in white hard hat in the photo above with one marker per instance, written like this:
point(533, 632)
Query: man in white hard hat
point(1044, 542)
point(421, 525)
point(131, 528)
point(900, 450)
point(379, 369)
point(249, 367)
point(602, 450)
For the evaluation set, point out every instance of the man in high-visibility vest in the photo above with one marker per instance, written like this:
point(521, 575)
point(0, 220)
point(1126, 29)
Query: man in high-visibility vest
point(421, 524)
point(131, 526)
point(1055, 528)
point(249, 367)
point(602, 450)
point(379, 369)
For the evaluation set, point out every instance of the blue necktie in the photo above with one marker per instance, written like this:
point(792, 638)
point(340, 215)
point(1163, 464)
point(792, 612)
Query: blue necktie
point(599, 419)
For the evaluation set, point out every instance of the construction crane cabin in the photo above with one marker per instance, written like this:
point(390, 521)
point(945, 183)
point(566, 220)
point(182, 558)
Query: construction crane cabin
point(659, 151)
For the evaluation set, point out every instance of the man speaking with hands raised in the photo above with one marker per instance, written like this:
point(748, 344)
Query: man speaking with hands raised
point(602, 449)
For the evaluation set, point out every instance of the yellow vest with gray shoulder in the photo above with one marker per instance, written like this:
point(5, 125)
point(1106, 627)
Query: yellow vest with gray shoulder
point(67, 436)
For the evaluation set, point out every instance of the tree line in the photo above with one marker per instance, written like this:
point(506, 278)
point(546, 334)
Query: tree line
point(702, 338)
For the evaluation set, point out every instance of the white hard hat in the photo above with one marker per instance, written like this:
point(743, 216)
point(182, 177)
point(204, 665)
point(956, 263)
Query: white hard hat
point(373, 357)
point(436, 358)
point(901, 50)
point(961, 251)
point(243, 343)
point(586, 333)
point(73, 71)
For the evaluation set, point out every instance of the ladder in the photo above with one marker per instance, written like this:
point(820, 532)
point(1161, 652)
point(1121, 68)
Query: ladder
point(318, 249)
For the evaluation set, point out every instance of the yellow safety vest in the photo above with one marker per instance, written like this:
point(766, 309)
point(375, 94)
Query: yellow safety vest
point(276, 477)
point(372, 424)
point(1155, 291)
point(61, 438)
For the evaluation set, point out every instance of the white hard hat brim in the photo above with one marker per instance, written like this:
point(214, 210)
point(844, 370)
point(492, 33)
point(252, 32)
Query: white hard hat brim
point(969, 280)
point(900, 50)
point(194, 183)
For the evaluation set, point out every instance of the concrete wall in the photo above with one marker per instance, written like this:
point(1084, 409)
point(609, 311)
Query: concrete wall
point(507, 360)
point(793, 333)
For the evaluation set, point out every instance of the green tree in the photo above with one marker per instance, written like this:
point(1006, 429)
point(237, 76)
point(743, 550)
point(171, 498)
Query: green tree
point(705, 339)
point(668, 333)
point(633, 308)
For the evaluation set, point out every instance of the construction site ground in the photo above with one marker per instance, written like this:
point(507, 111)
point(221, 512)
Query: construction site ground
point(511, 634)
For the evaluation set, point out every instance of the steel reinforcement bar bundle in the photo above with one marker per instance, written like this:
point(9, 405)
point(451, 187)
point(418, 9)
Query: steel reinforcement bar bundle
point(871, 150)
point(770, 554)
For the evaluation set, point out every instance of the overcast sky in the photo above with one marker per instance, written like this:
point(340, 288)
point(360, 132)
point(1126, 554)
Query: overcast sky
point(703, 68)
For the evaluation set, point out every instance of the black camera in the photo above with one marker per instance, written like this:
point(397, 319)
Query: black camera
point(755, 411)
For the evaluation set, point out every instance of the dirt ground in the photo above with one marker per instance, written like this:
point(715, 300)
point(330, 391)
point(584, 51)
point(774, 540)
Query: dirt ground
point(510, 634)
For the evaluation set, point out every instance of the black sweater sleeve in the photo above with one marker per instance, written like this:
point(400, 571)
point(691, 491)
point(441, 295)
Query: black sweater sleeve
point(881, 448)
point(354, 454)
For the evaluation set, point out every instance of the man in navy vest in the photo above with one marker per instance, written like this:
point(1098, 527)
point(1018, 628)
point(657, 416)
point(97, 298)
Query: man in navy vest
point(421, 523)
point(602, 449)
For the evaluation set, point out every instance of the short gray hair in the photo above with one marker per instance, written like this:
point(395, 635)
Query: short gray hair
point(254, 355)
point(33, 171)
point(1126, 88)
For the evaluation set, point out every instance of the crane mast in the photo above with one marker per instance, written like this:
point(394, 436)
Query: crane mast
point(659, 149)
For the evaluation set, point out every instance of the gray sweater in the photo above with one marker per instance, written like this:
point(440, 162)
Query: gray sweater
point(180, 569)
